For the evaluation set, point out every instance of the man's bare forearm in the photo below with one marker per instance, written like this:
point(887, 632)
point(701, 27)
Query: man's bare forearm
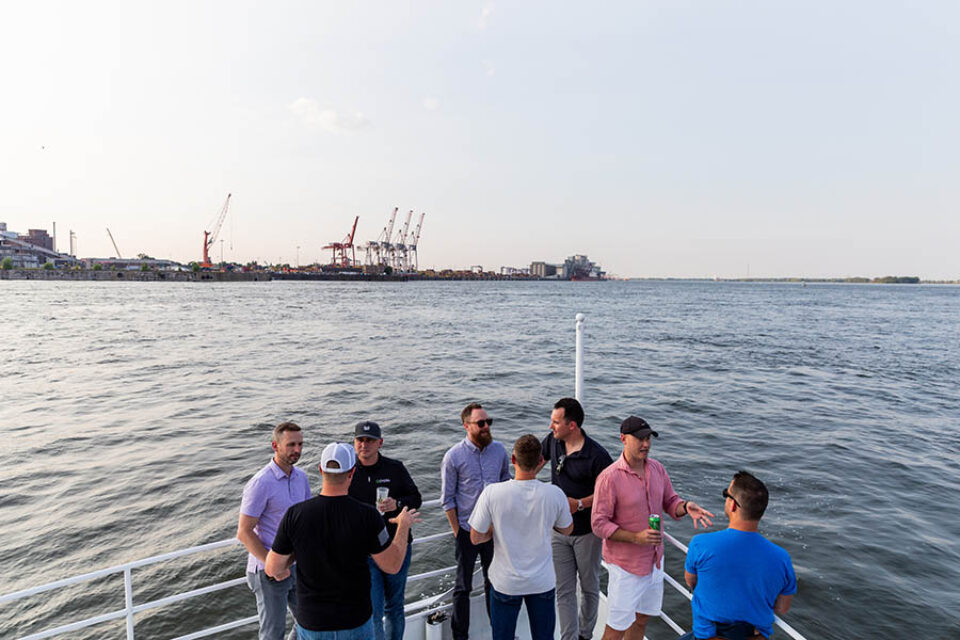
point(622, 535)
point(248, 538)
point(391, 559)
point(454, 520)
point(479, 538)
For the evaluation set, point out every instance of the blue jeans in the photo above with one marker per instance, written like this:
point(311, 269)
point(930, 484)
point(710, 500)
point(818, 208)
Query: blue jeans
point(273, 598)
point(363, 632)
point(386, 596)
point(505, 609)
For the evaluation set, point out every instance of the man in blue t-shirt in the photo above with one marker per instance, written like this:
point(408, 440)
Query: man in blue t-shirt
point(739, 578)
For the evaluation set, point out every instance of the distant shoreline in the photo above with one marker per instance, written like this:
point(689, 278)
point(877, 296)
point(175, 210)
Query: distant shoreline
point(91, 275)
point(795, 280)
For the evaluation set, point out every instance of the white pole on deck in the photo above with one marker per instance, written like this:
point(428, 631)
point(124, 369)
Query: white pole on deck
point(578, 388)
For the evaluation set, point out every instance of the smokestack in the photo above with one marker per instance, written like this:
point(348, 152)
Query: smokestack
point(54, 236)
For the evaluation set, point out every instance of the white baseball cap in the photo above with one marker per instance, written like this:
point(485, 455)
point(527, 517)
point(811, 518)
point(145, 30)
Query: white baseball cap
point(340, 453)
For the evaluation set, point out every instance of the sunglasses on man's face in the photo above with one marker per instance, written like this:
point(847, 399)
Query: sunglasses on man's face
point(726, 494)
point(480, 423)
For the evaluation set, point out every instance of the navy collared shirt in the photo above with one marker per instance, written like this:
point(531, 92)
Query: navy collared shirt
point(576, 473)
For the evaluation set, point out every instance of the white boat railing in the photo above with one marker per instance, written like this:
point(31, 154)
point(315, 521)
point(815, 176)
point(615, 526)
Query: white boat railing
point(414, 610)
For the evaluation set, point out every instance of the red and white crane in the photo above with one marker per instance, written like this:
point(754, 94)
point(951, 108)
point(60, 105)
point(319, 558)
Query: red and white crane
point(340, 258)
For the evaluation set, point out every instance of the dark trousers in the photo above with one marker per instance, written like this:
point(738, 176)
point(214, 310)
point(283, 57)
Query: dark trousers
point(466, 553)
point(728, 630)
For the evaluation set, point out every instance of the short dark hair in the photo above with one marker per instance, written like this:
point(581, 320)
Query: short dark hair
point(751, 494)
point(467, 410)
point(527, 451)
point(571, 409)
point(282, 428)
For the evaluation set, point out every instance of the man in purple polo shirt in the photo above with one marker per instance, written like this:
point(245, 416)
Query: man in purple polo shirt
point(469, 466)
point(266, 498)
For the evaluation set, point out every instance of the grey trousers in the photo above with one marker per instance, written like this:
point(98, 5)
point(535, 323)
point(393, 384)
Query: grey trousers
point(573, 556)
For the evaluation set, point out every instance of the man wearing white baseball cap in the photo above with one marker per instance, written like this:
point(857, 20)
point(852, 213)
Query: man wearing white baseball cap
point(330, 537)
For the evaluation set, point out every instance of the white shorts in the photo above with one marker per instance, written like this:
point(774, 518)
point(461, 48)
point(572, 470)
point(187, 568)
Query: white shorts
point(629, 594)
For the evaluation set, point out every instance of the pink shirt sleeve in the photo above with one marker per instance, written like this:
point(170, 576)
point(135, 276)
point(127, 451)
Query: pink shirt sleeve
point(670, 497)
point(604, 504)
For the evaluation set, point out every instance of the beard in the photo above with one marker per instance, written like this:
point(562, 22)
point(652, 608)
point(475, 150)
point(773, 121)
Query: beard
point(484, 438)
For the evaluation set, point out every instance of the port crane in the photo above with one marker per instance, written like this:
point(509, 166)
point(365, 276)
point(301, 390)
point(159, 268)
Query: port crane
point(376, 250)
point(119, 257)
point(413, 259)
point(209, 237)
point(400, 246)
point(340, 249)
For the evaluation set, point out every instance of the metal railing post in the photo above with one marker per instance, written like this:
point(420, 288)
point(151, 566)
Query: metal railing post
point(578, 386)
point(128, 600)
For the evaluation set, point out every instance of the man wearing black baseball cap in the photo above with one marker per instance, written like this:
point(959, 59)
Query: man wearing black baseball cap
point(627, 493)
point(375, 476)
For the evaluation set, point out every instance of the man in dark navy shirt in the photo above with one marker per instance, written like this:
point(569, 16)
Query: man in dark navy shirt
point(378, 473)
point(330, 537)
point(575, 460)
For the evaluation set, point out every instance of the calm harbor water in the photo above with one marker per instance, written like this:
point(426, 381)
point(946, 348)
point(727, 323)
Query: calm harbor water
point(132, 414)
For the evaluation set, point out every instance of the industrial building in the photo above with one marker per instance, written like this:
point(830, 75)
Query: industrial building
point(579, 267)
point(32, 249)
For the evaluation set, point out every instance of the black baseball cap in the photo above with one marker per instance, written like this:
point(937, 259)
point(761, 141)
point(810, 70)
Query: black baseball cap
point(637, 427)
point(367, 429)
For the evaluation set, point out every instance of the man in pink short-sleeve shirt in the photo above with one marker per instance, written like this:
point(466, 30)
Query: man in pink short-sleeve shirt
point(626, 494)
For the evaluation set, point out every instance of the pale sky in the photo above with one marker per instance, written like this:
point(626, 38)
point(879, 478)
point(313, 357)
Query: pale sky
point(661, 138)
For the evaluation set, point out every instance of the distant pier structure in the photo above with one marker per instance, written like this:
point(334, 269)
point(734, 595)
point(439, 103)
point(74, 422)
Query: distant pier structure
point(576, 267)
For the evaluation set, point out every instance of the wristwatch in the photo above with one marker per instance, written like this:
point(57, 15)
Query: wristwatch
point(580, 506)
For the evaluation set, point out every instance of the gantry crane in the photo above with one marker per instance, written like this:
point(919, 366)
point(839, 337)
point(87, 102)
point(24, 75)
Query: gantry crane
point(375, 249)
point(209, 237)
point(341, 249)
point(401, 262)
point(414, 261)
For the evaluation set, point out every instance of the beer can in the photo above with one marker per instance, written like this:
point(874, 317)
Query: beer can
point(654, 521)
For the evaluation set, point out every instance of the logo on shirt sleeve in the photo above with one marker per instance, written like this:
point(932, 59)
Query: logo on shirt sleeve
point(384, 537)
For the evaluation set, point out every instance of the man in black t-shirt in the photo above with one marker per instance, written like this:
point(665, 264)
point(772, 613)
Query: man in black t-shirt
point(330, 537)
point(575, 460)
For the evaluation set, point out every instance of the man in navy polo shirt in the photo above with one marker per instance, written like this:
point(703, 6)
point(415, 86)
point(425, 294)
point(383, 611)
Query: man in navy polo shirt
point(575, 460)
point(266, 498)
point(739, 578)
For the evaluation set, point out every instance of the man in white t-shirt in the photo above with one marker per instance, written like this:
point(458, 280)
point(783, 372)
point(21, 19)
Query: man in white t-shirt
point(519, 515)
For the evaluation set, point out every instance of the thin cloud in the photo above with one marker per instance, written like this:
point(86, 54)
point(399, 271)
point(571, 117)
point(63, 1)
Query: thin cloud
point(485, 14)
point(319, 118)
point(431, 104)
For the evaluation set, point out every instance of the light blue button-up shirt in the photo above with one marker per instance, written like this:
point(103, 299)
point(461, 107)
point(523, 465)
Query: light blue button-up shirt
point(466, 470)
point(267, 497)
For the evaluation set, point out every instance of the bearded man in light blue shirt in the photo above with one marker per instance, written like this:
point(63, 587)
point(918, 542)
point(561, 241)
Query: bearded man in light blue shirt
point(469, 466)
